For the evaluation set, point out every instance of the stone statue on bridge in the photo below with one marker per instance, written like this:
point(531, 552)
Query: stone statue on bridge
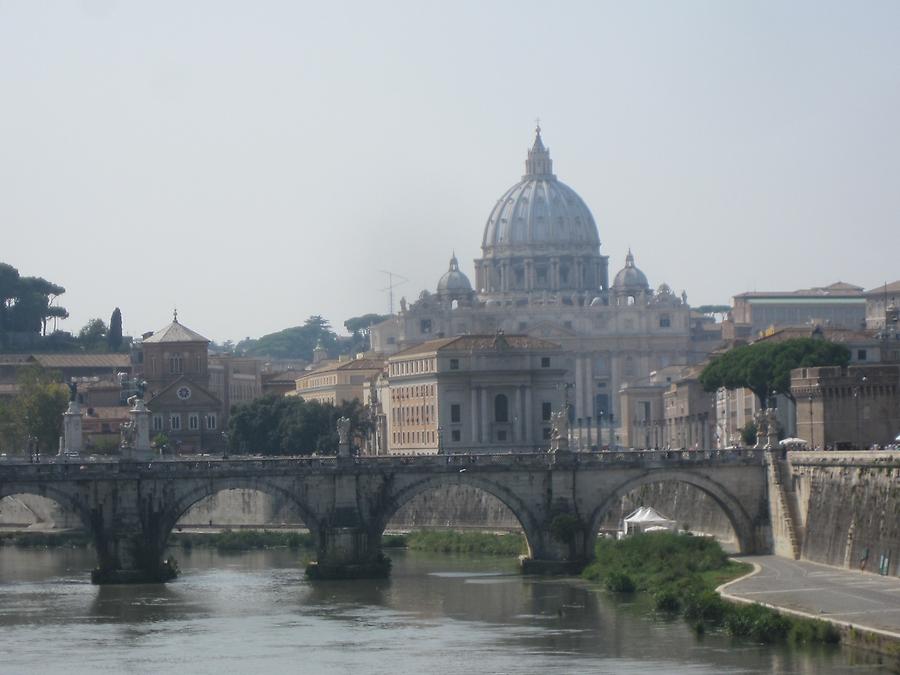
point(559, 435)
point(343, 429)
point(762, 428)
point(127, 431)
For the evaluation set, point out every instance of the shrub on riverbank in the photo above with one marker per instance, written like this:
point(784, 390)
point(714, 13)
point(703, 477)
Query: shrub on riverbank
point(681, 573)
point(449, 541)
point(242, 540)
point(49, 539)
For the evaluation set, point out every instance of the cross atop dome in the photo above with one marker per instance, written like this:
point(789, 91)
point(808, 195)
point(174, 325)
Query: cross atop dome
point(539, 164)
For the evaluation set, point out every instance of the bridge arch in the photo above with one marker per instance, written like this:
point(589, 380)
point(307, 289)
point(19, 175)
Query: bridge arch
point(67, 500)
point(187, 498)
point(734, 511)
point(517, 507)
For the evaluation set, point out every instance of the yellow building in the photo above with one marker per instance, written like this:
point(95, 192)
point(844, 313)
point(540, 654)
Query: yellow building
point(338, 381)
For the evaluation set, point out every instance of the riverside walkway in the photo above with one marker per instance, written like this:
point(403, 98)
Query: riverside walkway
point(850, 597)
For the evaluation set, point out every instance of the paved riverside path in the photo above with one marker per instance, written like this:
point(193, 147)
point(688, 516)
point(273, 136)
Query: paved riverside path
point(859, 598)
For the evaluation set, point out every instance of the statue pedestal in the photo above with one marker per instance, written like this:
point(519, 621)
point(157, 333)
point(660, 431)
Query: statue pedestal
point(72, 438)
point(138, 447)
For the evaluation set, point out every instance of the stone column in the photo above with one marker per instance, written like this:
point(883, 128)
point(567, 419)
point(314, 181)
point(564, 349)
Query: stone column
point(578, 385)
point(485, 425)
point(529, 420)
point(72, 437)
point(474, 415)
point(587, 393)
point(517, 416)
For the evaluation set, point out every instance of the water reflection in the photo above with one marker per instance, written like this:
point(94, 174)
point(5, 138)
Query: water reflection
point(437, 613)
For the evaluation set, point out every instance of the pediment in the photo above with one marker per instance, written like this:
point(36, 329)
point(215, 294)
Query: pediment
point(183, 392)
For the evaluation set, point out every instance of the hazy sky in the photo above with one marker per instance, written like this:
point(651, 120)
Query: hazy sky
point(257, 162)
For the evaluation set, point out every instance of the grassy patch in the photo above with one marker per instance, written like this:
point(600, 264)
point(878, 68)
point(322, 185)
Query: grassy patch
point(242, 540)
point(681, 574)
point(449, 541)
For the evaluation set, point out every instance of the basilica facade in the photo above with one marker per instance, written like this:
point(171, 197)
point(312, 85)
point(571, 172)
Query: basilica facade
point(542, 273)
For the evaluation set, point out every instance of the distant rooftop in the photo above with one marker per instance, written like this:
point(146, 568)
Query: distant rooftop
point(837, 289)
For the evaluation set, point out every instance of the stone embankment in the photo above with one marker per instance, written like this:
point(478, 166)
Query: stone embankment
point(847, 507)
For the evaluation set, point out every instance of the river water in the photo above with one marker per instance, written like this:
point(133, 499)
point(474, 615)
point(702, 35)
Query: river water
point(254, 612)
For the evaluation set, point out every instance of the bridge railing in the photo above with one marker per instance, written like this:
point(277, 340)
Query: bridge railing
point(443, 462)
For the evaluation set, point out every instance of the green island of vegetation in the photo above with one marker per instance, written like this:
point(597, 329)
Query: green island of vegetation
point(681, 574)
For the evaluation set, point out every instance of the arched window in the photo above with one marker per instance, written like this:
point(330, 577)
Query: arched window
point(501, 408)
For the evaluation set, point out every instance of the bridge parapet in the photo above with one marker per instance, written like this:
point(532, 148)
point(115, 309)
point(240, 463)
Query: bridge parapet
point(279, 465)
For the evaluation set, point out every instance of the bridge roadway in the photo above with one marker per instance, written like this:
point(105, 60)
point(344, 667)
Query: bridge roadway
point(560, 499)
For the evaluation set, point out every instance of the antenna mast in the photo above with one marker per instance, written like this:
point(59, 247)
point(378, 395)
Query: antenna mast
point(400, 280)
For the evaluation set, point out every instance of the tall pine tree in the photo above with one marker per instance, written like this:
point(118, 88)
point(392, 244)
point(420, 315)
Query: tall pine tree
point(114, 334)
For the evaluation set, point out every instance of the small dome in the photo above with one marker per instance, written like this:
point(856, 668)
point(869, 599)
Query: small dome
point(454, 282)
point(630, 278)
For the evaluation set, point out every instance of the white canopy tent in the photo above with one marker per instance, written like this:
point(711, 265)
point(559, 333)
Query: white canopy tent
point(647, 519)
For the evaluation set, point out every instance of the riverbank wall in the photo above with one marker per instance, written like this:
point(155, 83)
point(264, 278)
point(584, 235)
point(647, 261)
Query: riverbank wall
point(847, 507)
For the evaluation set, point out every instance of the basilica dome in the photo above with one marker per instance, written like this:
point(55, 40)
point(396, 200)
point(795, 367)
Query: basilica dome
point(539, 212)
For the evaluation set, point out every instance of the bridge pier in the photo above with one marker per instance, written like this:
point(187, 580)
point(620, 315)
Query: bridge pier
point(129, 539)
point(348, 553)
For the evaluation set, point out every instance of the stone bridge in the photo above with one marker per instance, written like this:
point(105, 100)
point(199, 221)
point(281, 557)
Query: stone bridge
point(130, 508)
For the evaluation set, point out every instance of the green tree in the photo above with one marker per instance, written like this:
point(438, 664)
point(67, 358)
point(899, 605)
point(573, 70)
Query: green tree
point(92, 336)
point(12, 431)
point(748, 434)
point(114, 335)
point(40, 403)
point(293, 343)
point(358, 327)
point(765, 367)
point(275, 425)
point(26, 304)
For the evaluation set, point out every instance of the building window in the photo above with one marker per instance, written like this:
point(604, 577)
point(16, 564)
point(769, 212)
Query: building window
point(455, 412)
point(455, 435)
point(545, 362)
point(425, 326)
point(175, 366)
point(454, 364)
point(664, 321)
point(501, 408)
point(501, 434)
point(211, 421)
point(193, 421)
point(861, 354)
point(175, 422)
point(567, 325)
point(546, 411)
point(157, 423)
point(392, 340)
